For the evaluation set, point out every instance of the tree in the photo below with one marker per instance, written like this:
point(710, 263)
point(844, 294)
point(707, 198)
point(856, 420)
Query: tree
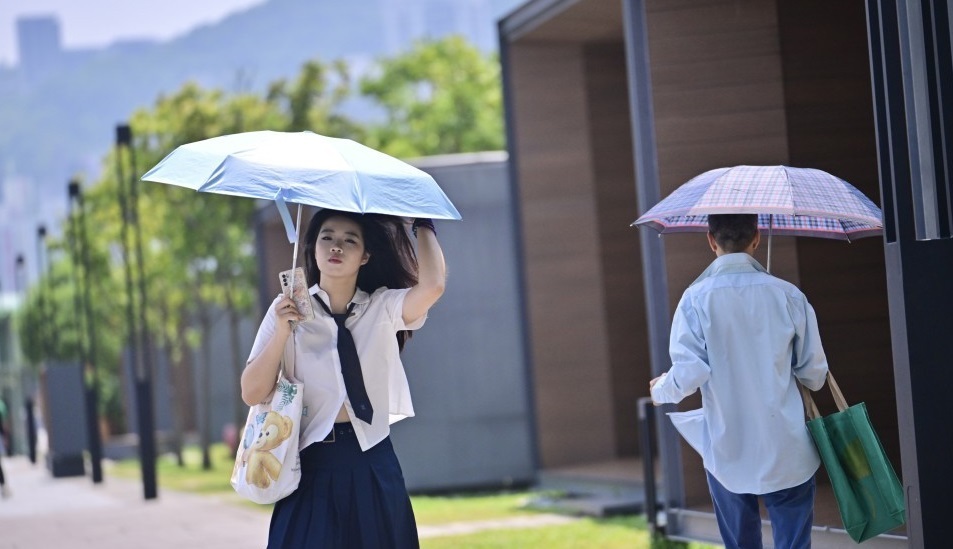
point(201, 245)
point(314, 99)
point(440, 97)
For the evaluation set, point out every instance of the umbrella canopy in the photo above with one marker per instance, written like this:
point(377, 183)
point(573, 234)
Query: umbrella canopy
point(789, 201)
point(305, 168)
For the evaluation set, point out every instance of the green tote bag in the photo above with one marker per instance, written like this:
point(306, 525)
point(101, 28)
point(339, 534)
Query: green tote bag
point(869, 495)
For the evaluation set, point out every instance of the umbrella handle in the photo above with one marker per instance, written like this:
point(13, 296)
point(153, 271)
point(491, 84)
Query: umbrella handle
point(294, 258)
point(770, 227)
point(290, 230)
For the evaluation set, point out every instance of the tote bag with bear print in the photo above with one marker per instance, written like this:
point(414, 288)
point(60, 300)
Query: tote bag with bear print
point(267, 465)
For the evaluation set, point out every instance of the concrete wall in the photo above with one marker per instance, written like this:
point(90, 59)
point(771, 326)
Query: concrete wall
point(466, 366)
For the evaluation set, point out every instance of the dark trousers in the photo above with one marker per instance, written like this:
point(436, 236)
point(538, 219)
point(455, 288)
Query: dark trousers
point(346, 499)
point(739, 520)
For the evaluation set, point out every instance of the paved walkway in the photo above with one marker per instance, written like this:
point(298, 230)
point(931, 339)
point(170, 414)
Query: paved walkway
point(73, 513)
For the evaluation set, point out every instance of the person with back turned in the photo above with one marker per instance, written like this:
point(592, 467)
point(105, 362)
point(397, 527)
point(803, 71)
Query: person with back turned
point(745, 338)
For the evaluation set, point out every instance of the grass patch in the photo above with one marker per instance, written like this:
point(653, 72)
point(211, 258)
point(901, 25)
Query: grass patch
point(611, 533)
point(431, 510)
point(191, 477)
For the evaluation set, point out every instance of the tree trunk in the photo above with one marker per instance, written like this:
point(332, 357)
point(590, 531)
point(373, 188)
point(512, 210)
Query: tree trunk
point(206, 400)
point(238, 364)
point(177, 400)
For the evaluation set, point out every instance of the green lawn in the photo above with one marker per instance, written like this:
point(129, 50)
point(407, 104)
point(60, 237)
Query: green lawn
point(613, 533)
point(623, 532)
point(430, 510)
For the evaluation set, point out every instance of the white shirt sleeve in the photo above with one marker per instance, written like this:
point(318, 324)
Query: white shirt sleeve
point(809, 361)
point(393, 301)
point(689, 357)
point(265, 331)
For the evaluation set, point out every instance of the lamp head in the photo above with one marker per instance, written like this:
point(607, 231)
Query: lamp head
point(123, 135)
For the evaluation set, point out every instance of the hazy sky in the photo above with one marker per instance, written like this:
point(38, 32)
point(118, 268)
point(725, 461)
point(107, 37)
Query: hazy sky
point(94, 23)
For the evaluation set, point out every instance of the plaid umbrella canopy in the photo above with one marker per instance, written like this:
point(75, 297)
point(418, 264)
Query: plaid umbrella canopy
point(788, 201)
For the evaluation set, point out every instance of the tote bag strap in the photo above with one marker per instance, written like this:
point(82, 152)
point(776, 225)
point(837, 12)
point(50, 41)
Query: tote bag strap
point(288, 358)
point(839, 399)
point(810, 409)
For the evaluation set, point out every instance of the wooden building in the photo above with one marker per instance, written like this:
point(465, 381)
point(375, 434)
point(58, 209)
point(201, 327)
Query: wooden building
point(612, 105)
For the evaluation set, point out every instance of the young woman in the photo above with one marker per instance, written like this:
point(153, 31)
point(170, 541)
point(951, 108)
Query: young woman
point(352, 491)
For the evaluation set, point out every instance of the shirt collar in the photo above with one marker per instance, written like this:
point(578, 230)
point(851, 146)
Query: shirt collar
point(360, 296)
point(731, 263)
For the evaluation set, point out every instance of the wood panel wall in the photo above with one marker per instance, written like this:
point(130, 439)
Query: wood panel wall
point(563, 262)
point(614, 178)
point(719, 101)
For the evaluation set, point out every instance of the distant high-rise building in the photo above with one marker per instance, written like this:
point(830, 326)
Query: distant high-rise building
point(39, 45)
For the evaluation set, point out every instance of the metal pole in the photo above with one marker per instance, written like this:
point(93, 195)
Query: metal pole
point(90, 358)
point(41, 297)
point(654, 275)
point(143, 370)
point(28, 389)
point(79, 308)
point(647, 443)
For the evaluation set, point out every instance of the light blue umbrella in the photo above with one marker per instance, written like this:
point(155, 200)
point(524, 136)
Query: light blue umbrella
point(307, 169)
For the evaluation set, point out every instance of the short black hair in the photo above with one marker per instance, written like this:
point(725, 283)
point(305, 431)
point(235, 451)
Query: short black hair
point(733, 232)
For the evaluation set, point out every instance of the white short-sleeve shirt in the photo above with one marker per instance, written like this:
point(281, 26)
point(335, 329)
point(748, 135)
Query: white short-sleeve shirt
point(374, 322)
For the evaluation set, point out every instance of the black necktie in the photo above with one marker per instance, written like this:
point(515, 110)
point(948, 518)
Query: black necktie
point(351, 366)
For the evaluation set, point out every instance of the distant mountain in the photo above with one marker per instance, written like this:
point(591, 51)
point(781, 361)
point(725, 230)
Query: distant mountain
point(61, 121)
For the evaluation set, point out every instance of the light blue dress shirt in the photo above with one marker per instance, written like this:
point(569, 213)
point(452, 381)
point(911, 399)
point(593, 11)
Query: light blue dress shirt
point(742, 336)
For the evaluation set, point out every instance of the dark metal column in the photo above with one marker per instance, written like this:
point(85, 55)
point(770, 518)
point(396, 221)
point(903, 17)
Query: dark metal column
point(139, 348)
point(88, 355)
point(28, 386)
point(519, 246)
point(912, 80)
point(655, 278)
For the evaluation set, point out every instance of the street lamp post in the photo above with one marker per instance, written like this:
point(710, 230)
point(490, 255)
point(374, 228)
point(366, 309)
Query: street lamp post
point(129, 204)
point(41, 296)
point(19, 280)
point(87, 353)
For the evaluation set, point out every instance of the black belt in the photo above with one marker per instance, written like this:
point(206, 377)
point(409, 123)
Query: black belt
point(340, 430)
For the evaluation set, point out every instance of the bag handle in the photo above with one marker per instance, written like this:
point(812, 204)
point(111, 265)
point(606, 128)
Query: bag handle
point(288, 358)
point(810, 409)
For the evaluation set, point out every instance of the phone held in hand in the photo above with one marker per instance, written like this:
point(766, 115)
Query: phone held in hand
point(300, 295)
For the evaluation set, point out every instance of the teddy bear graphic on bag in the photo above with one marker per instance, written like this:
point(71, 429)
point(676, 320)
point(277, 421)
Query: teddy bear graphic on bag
point(261, 465)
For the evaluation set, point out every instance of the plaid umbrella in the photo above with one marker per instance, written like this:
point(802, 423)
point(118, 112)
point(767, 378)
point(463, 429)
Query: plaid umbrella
point(788, 201)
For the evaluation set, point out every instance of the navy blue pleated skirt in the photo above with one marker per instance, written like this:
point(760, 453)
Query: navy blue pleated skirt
point(346, 499)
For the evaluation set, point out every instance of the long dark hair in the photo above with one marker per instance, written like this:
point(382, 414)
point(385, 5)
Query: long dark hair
point(393, 262)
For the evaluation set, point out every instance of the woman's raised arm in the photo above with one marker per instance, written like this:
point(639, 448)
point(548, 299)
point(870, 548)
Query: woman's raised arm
point(431, 275)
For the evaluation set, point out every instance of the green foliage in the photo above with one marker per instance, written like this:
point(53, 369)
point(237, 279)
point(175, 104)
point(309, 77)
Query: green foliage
point(440, 97)
point(313, 99)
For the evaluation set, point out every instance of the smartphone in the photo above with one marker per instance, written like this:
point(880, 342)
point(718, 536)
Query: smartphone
point(300, 294)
